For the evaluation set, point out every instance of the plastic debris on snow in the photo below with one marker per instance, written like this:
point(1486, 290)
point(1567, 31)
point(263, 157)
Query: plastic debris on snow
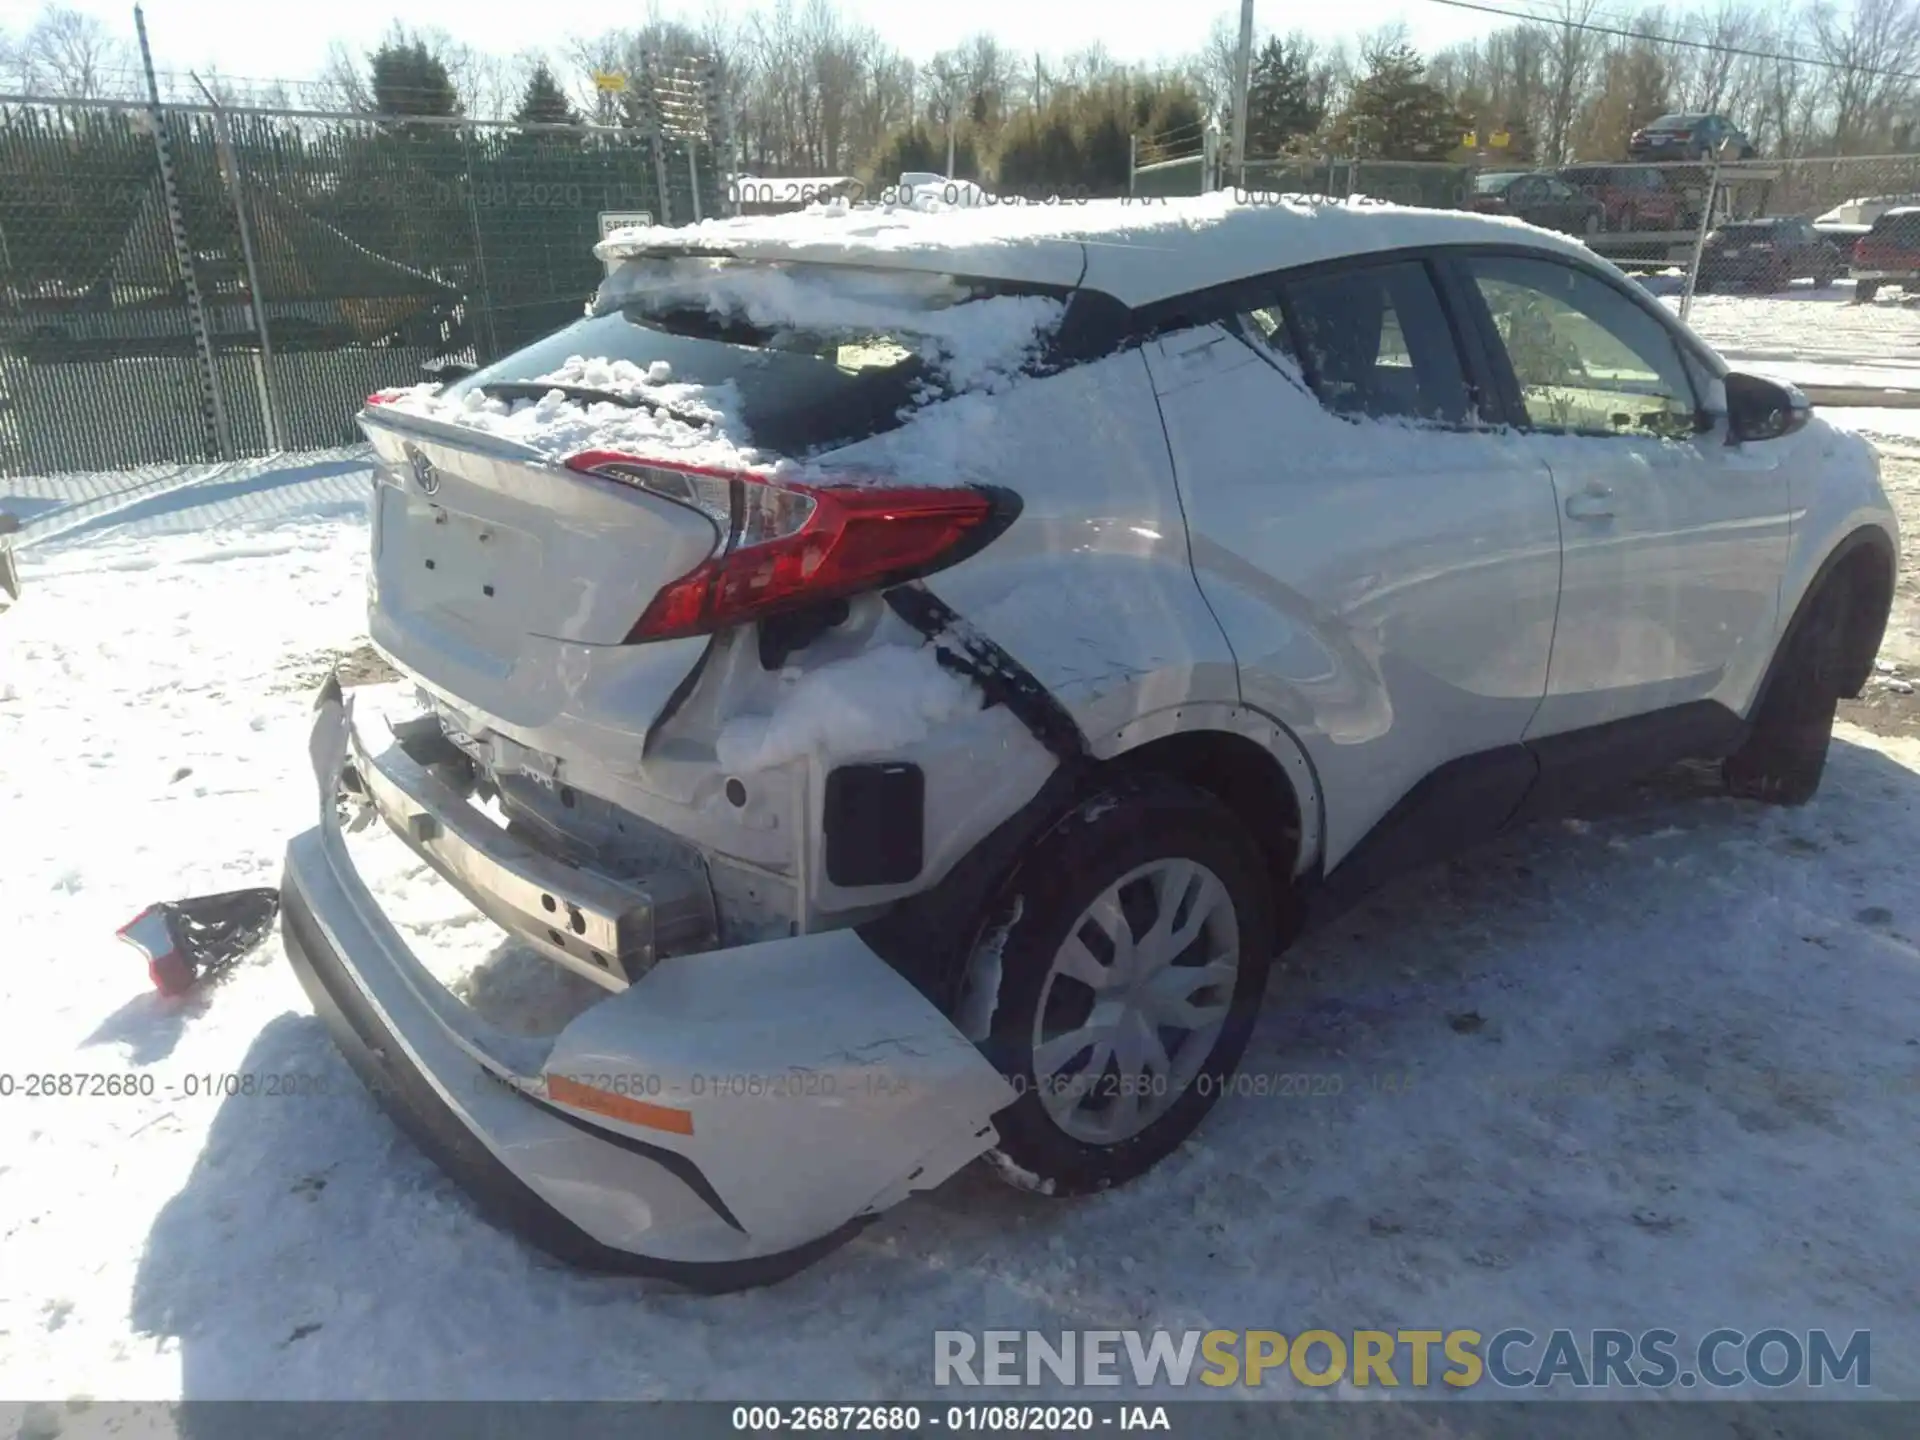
point(875, 702)
point(187, 940)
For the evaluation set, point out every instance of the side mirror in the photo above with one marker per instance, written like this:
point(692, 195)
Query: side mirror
point(1760, 409)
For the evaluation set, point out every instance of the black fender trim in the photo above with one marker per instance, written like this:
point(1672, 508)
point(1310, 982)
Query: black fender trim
point(928, 937)
point(1004, 680)
point(503, 1197)
point(1861, 643)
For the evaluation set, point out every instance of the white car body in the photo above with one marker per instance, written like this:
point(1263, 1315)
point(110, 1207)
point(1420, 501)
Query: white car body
point(1375, 638)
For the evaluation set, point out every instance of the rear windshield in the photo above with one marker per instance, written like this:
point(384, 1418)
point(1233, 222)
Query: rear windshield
point(1751, 232)
point(1493, 184)
point(800, 357)
point(1676, 122)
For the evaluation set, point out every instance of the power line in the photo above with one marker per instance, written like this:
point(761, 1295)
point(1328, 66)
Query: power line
point(1752, 54)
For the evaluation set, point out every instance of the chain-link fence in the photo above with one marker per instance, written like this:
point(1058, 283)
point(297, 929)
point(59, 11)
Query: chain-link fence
point(242, 285)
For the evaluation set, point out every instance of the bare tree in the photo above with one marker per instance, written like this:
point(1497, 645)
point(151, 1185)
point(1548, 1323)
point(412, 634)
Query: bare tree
point(71, 55)
point(342, 85)
point(1872, 51)
point(1571, 50)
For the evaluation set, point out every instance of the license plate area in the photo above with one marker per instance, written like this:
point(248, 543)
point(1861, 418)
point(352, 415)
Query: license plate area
point(440, 559)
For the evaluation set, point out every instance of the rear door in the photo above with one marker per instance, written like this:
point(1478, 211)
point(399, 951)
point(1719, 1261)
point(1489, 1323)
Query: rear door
point(1674, 541)
point(1384, 565)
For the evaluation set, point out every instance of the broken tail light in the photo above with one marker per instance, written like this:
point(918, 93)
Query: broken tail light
point(786, 545)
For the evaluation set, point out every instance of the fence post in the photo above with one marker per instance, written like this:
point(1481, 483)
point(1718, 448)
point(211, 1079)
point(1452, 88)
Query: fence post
point(1133, 161)
point(214, 410)
point(1700, 240)
point(479, 249)
point(693, 178)
point(263, 361)
point(659, 143)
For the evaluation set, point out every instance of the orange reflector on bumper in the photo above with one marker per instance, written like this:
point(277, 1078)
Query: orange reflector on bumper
point(623, 1108)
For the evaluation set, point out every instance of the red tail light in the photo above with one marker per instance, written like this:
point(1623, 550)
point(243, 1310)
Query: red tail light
point(789, 545)
point(382, 397)
point(1860, 248)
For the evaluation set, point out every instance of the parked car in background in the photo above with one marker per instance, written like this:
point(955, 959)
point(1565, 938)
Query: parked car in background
point(1769, 254)
point(739, 601)
point(1631, 197)
point(1689, 137)
point(1540, 198)
point(1888, 254)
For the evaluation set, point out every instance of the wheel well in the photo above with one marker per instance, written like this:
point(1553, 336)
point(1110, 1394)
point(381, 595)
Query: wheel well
point(1241, 775)
point(1865, 574)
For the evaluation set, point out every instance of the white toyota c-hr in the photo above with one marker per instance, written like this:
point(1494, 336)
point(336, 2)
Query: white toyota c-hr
point(924, 666)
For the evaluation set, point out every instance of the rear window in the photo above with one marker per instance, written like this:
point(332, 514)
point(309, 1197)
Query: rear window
point(1676, 122)
point(801, 358)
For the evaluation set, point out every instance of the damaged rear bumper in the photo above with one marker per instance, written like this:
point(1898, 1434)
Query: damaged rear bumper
point(720, 1122)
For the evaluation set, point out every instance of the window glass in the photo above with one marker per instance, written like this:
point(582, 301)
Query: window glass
point(1587, 359)
point(1375, 343)
point(817, 356)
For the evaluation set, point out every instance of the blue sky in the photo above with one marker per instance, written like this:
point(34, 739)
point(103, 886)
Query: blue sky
point(290, 39)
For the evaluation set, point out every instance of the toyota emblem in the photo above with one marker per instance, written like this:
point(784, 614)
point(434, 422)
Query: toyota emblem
point(425, 474)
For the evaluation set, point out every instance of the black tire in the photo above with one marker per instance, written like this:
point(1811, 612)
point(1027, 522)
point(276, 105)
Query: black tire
point(1127, 824)
point(1786, 752)
point(1865, 290)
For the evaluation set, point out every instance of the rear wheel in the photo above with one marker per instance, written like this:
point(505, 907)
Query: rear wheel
point(1865, 290)
point(1786, 753)
point(1134, 943)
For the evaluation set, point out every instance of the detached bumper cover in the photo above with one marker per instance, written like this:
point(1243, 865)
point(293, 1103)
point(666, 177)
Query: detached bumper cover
point(721, 1122)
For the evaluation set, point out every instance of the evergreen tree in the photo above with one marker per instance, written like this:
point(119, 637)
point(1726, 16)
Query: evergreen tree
point(544, 103)
point(915, 147)
point(1396, 113)
point(409, 79)
point(1282, 104)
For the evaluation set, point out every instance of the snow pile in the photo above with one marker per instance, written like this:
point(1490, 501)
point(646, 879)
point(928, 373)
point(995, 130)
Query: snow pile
point(870, 703)
point(1137, 251)
point(691, 424)
point(617, 377)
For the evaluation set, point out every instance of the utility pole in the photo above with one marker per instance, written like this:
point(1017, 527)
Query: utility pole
point(1242, 65)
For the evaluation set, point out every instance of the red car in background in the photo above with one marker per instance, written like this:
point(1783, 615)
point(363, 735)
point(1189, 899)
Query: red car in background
point(1632, 197)
point(1888, 254)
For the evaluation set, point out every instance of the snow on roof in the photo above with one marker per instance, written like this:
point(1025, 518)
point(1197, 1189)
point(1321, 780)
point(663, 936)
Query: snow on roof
point(1136, 251)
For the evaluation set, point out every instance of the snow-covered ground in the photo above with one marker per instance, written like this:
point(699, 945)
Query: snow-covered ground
point(1814, 336)
point(1656, 1067)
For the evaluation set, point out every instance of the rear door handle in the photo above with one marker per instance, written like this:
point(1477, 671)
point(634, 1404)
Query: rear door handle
point(1594, 503)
